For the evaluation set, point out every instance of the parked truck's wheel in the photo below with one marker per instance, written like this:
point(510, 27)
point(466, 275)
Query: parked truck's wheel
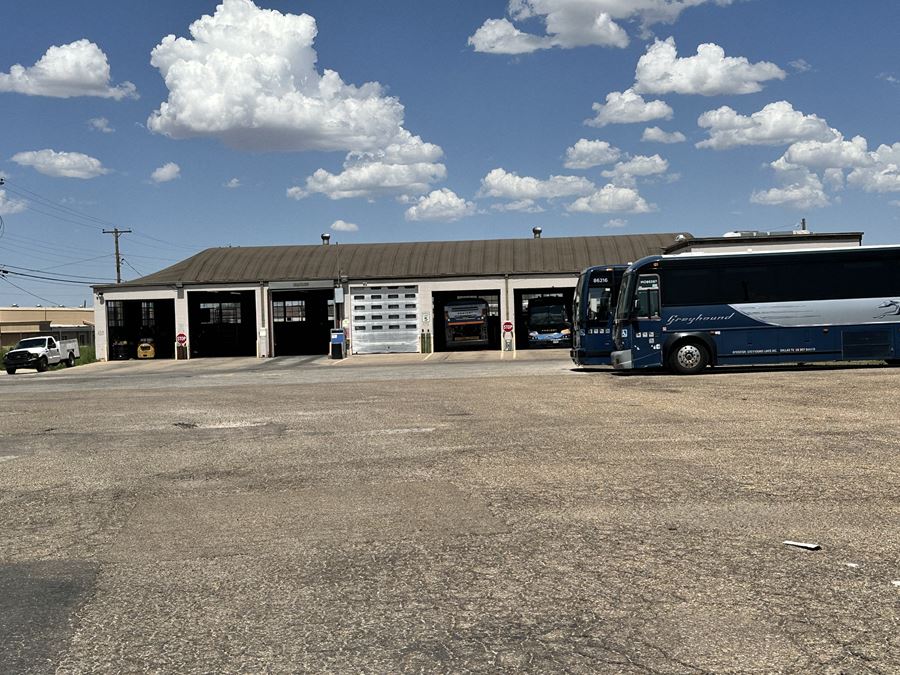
point(10, 371)
point(70, 361)
point(42, 365)
point(688, 358)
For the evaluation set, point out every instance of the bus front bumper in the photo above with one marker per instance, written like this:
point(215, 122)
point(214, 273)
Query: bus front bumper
point(622, 360)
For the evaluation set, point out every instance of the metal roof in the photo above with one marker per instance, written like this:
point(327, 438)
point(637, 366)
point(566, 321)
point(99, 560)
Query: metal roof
point(416, 260)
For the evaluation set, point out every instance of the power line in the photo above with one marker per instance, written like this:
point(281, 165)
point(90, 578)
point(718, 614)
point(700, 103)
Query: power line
point(72, 277)
point(66, 220)
point(152, 257)
point(77, 262)
point(167, 243)
point(55, 280)
point(49, 203)
point(139, 273)
point(3, 276)
point(95, 223)
point(44, 246)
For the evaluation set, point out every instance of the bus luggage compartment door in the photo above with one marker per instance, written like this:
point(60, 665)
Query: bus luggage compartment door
point(866, 344)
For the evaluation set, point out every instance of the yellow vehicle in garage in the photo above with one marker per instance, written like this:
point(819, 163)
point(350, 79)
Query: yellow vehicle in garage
point(146, 349)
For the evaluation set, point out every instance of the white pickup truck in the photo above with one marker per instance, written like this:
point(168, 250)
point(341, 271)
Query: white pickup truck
point(41, 353)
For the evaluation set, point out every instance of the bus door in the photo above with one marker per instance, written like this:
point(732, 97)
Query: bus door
point(594, 311)
point(646, 323)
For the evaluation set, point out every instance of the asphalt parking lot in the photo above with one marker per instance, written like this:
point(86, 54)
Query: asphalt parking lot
point(467, 513)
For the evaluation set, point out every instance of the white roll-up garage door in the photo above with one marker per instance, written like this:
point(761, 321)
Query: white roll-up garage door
point(384, 319)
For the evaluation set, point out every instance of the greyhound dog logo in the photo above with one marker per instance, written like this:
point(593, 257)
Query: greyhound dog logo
point(890, 307)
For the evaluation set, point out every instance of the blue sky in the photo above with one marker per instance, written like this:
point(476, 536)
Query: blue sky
point(406, 120)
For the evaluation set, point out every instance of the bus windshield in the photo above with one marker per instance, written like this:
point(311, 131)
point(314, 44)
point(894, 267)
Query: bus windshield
point(547, 316)
point(623, 308)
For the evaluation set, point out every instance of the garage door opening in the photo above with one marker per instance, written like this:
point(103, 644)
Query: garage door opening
point(222, 323)
point(544, 318)
point(145, 325)
point(302, 321)
point(466, 321)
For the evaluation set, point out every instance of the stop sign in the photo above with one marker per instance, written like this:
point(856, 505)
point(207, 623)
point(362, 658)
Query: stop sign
point(507, 326)
point(181, 339)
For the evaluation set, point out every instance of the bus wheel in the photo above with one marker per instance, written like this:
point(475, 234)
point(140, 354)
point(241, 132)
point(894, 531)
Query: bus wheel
point(688, 358)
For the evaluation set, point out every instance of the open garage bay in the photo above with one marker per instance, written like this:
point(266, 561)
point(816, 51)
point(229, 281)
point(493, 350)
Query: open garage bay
point(460, 512)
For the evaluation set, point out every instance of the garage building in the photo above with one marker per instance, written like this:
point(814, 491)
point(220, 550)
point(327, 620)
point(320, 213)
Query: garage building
point(402, 297)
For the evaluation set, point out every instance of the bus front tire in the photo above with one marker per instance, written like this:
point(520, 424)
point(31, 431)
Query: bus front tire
point(688, 358)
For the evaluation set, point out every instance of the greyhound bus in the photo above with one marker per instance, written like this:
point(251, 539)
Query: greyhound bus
point(593, 314)
point(690, 311)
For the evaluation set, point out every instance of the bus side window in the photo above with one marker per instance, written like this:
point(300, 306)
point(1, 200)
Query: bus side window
point(646, 304)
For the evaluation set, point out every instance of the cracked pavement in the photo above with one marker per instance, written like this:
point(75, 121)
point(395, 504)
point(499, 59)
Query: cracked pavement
point(450, 515)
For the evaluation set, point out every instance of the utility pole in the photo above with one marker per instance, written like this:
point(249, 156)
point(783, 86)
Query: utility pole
point(116, 232)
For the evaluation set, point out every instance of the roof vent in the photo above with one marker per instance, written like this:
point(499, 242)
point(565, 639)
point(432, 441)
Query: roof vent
point(536, 231)
point(325, 238)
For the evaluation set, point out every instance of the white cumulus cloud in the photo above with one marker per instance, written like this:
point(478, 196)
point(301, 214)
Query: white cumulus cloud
point(167, 172)
point(9, 205)
point(575, 23)
point(882, 174)
point(248, 77)
point(61, 164)
point(657, 135)
point(836, 153)
point(500, 36)
point(611, 199)
point(502, 184)
point(776, 124)
point(625, 173)
point(440, 204)
point(402, 171)
point(586, 154)
point(344, 226)
point(805, 192)
point(76, 69)
point(521, 206)
point(232, 184)
point(709, 73)
point(100, 124)
point(627, 107)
